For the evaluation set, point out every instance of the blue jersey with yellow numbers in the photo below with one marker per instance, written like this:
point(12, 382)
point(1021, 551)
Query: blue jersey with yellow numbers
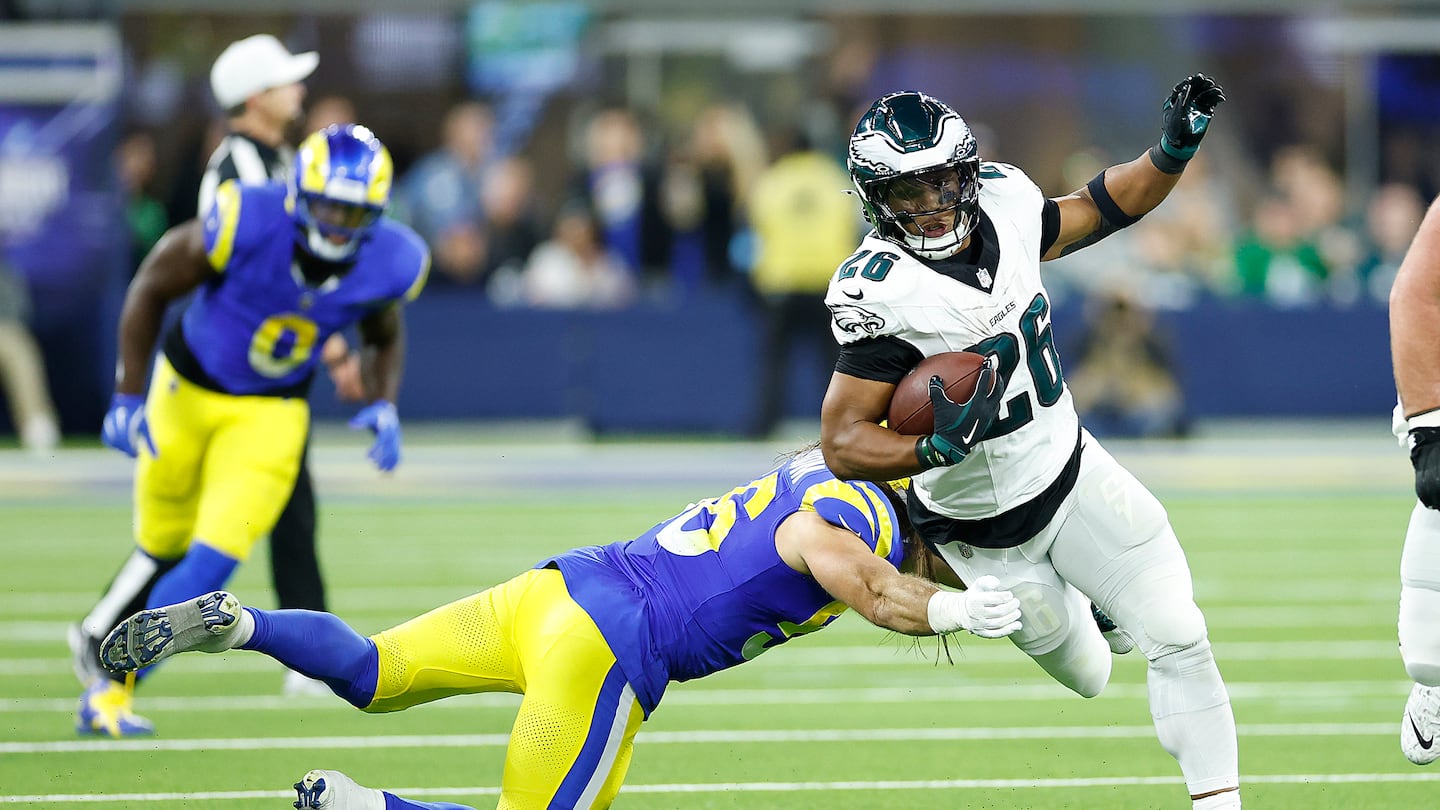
point(707, 589)
point(257, 326)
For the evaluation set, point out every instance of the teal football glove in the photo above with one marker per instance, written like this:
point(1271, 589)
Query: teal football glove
point(958, 428)
point(381, 418)
point(125, 426)
point(1186, 117)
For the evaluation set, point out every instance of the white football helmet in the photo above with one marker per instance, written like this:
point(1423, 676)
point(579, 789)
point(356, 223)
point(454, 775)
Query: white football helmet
point(916, 168)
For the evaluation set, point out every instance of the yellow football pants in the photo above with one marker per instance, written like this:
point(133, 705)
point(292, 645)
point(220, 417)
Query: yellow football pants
point(225, 466)
point(571, 743)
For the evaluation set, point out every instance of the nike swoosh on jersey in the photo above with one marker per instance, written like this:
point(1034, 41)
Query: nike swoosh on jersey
point(854, 296)
point(1420, 738)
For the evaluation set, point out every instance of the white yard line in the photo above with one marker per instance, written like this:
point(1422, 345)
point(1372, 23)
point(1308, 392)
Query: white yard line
point(761, 787)
point(809, 655)
point(962, 692)
point(728, 737)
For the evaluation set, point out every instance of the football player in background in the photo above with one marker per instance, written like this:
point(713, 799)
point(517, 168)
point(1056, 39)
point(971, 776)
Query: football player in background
point(259, 86)
point(1009, 484)
point(591, 637)
point(276, 269)
point(1415, 352)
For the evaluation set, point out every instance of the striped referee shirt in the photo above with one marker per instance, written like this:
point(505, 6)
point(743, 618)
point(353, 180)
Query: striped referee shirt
point(241, 157)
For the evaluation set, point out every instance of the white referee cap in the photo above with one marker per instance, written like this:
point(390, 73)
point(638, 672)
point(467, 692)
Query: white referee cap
point(256, 64)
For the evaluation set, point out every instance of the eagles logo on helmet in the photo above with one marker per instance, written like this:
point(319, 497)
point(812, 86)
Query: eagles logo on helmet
point(915, 165)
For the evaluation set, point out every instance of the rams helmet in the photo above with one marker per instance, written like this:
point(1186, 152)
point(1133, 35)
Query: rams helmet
point(339, 189)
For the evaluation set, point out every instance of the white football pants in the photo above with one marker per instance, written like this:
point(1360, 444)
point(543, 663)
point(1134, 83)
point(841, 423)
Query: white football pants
point(1419, 585)
point(1111, 543)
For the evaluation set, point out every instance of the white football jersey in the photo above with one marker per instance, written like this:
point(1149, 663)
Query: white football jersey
point(884, 291)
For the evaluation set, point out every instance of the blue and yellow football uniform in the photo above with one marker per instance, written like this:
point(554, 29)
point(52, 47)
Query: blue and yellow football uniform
point(592, 636)
point(226, 404)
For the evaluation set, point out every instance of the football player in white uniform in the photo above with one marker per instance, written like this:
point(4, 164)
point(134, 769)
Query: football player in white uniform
point(1010, 484)
point(1414, 333)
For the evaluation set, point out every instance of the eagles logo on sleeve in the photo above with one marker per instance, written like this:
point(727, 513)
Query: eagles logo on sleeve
point(854, 320)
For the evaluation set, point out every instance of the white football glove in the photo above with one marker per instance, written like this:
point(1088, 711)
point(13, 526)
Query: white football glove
point(984, 610)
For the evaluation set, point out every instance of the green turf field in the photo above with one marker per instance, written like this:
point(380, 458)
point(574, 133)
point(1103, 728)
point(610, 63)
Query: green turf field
point(1295, 559)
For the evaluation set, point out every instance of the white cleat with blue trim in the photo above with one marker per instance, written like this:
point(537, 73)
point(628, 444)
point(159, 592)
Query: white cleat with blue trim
point(333, 790)
point(209, 623)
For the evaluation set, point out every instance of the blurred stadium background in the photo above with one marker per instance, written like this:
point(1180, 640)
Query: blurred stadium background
point(1254, 300)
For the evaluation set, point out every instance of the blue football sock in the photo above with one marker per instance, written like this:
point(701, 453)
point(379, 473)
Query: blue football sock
point(393, 802)
point(319, 645)
point(200, 571)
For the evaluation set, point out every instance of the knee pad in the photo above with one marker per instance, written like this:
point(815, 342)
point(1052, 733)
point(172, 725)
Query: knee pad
point(1086, 670)
point(1167, 629)
point(1060, 634)
point(1044, 617)
point(1185, 680)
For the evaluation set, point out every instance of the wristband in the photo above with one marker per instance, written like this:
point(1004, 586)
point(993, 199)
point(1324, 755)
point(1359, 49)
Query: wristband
point(929, 455)
point(946, 612)
point(1166, 162)
point(1424, 419)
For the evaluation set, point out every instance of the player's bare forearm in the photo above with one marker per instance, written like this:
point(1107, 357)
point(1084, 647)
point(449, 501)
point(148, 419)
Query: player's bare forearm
point(382, 353)
point(898, 602)
point(1415, 319)
point(1136, 188)
point(139, 329)
point(854, 444)
point(865, 451)
point(175, 266)
point(851, 572)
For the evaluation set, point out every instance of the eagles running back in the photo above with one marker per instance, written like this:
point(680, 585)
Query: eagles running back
point(998, 305)
point(1006, 490)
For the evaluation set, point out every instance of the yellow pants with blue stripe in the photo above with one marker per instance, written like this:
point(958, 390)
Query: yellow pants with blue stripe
point(571, 743)
point(225, 466)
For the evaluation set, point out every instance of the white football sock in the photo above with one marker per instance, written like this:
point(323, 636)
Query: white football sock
point(1420, 597)
point(244, 629)
point(1193, 718)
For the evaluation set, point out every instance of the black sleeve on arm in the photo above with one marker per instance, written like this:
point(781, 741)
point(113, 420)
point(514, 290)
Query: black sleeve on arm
point(883, 359)
point(1049, 225)
point(1112, 216)
point(1110, 211)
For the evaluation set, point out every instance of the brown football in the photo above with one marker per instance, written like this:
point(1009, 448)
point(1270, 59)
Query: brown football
point(910, 409)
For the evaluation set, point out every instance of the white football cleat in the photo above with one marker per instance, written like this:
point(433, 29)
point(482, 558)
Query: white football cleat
point(1120, 641)
point(333, 790)
point(209, 623)
point(1419, 725)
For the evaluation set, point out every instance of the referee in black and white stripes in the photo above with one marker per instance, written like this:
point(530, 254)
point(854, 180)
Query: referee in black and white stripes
point(257, 82)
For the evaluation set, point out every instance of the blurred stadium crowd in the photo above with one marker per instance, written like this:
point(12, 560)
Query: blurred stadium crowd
point(652, 194)
point(573, 156)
